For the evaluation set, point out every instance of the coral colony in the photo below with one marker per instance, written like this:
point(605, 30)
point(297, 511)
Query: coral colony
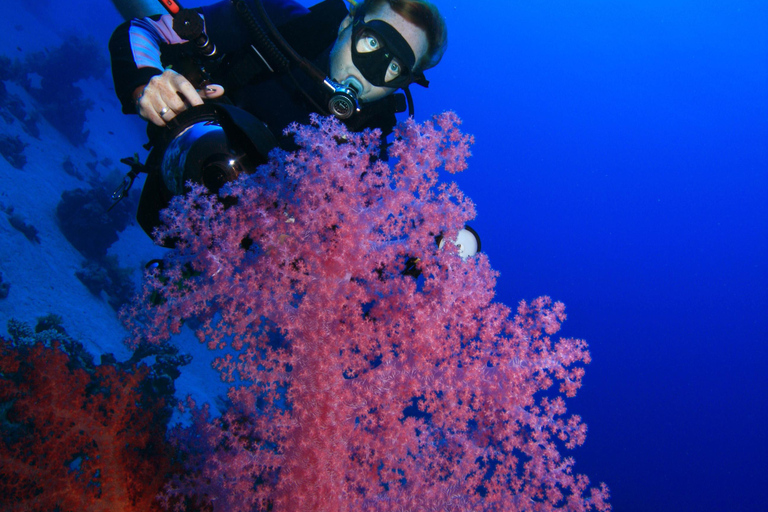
point(355, 385)
point(76, 436)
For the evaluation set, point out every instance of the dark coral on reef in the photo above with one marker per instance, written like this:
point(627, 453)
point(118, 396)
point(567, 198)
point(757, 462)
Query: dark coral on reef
point(5, 287)
point(12, 149)
point(12, 107)
point(91, 223)
point(49, 329)
point(18, 223)
point(61, 102)
point(86, 220)
point(69, 167)
point(108, 276)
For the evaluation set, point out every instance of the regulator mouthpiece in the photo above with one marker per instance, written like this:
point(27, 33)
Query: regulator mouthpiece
point(343, 102)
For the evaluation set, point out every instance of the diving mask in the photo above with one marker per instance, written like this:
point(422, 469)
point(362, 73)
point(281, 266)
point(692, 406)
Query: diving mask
point(382, 55)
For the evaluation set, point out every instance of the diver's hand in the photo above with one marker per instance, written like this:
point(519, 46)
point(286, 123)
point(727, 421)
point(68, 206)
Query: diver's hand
point(169, 94)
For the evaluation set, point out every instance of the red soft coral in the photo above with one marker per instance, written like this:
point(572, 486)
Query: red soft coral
point(75, 440)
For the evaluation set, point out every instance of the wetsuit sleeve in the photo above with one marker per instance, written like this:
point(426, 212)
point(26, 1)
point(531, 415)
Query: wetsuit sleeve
point(135, 49)
point(136, 46)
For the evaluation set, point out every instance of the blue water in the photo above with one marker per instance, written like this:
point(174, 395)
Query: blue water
point(621, 166)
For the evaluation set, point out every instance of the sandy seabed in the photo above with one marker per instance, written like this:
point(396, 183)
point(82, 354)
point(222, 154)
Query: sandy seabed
point(42, 275)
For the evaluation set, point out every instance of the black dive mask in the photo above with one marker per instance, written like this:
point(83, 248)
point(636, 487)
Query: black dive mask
point(386, 59)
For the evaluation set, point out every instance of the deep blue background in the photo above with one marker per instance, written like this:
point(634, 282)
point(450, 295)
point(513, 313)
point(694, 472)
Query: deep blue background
point(621, 167)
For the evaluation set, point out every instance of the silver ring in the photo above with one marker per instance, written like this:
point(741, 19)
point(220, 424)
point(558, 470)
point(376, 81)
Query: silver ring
point(164, 111)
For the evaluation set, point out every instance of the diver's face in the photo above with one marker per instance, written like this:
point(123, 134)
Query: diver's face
point(344, 71)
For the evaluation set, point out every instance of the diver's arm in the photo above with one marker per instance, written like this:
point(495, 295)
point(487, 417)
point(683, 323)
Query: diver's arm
point(136, 45)
point(140, 82)
point(127, 75)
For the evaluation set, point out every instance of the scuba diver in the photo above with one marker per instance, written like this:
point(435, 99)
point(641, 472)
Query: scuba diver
point(259, 65)
point(411, 34)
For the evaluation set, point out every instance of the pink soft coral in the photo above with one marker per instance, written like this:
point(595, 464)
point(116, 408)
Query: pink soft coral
point(355, 386)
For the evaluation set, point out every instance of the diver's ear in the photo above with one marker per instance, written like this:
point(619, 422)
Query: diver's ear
point(346, 22)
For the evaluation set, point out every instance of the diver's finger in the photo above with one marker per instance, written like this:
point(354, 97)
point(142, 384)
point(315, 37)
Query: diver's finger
point(160, 113)
point(188, 93)
point(167, 113)
point(175, 102)
point(147, 110)
point(154, 118)
point(211, 91)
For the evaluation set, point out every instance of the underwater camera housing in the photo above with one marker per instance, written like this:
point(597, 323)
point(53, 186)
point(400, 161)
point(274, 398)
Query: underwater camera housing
point(210, 144)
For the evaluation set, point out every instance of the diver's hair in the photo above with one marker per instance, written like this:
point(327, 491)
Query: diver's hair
point(421, 13)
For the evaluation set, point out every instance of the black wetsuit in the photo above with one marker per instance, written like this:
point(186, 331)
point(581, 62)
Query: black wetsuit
point(141, 48)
